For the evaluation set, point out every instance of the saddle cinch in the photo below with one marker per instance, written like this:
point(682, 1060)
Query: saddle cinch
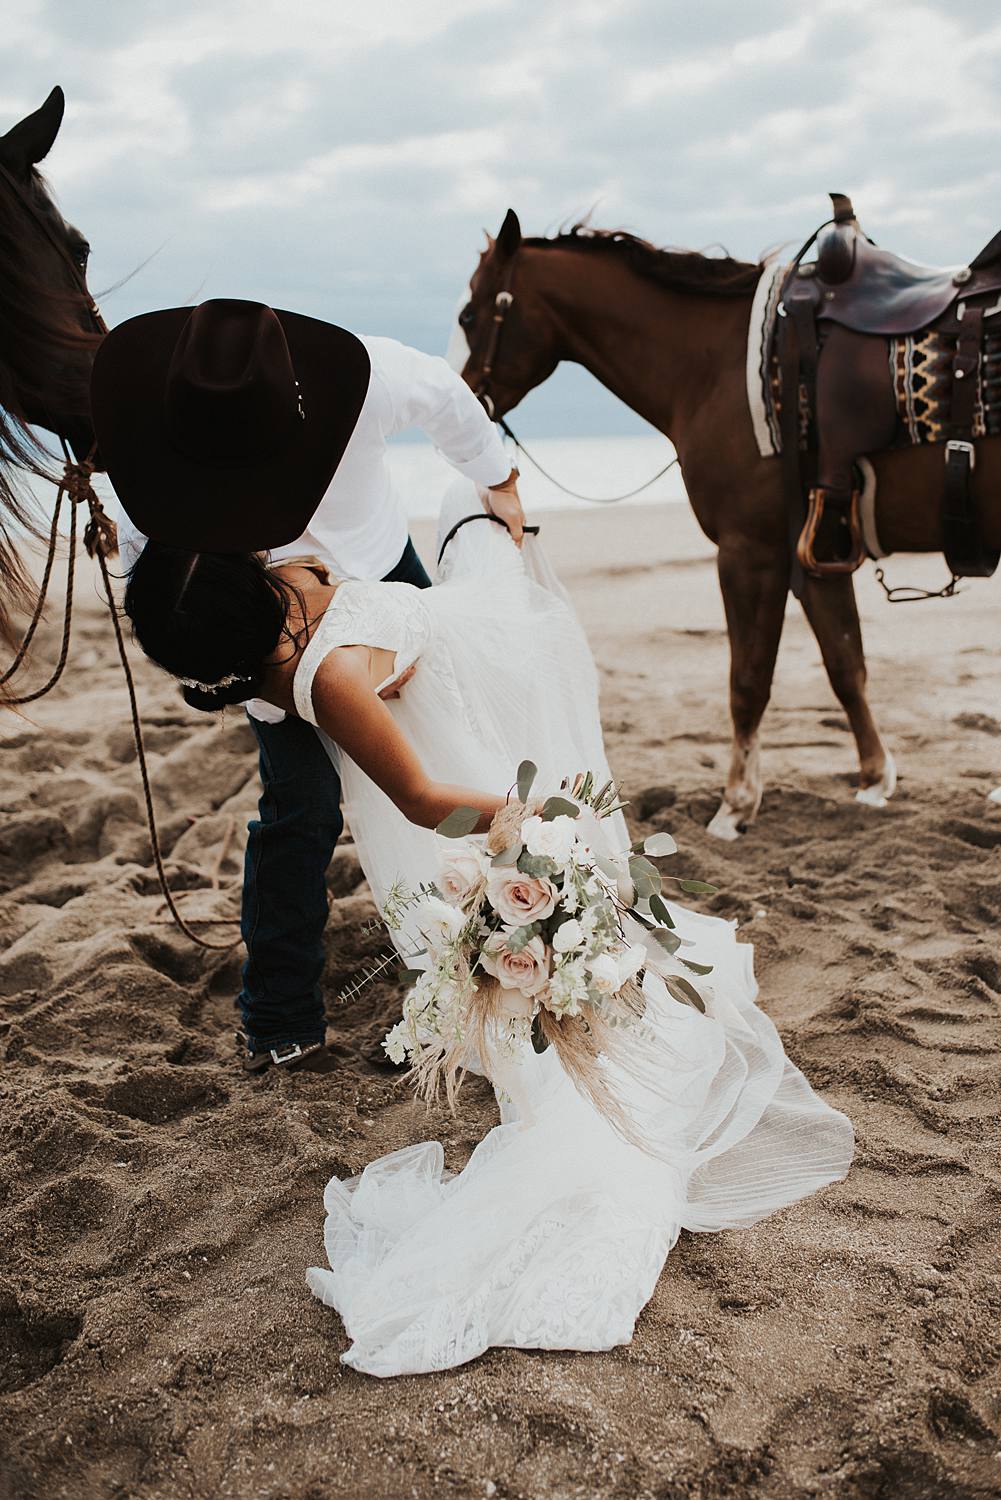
point(882, 353)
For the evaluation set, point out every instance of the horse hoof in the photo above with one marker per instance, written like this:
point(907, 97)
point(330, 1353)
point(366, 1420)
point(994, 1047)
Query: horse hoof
point(879, 794)
point(727, 823)
point(994, 796)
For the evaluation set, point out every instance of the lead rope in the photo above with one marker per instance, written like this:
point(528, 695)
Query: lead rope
point(99, 540)
point(591, 499)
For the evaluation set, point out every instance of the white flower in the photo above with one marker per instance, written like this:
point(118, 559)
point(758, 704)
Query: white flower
point(555, 838)
point(605, 973)
point(567, 989)
point(630, 960)
point(439, 923)
point(461, 869)
point(568, 935)
point(395, 1044)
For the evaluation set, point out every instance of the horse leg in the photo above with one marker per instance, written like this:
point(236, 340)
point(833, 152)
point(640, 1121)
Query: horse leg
point(830, 607)
point(754, 581)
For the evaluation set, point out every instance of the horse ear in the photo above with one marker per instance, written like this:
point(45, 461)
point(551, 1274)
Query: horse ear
point(509, 236)
point(30, 141)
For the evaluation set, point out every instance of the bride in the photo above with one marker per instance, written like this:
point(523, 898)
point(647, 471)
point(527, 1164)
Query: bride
point(554, 1234)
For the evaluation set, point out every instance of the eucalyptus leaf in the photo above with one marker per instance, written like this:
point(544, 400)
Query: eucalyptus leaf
point(460, 821)
point(521, 937)
point(645, 877)
point(697, 968)
point(698, 887)
point(536, 864)
point(508, 856)
point(527, 773)
point(669, 941)
point(660, 910)
point(659, 845)
point(559, 807)
point(409, 976)
point(685, 992)
point(607, 868)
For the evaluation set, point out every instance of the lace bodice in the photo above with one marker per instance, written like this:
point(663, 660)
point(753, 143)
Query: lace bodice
point(387, 616)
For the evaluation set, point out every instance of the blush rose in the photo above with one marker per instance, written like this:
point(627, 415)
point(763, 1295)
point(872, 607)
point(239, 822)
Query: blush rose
point(527, 970)
point(519, 899)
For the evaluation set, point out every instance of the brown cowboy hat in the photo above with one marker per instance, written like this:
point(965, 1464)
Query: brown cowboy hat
point(221, 426)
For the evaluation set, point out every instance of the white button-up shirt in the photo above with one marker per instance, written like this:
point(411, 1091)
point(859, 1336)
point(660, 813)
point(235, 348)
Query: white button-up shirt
point(359, 528)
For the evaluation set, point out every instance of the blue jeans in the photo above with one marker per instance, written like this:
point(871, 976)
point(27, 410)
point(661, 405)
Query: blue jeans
point(289, 846)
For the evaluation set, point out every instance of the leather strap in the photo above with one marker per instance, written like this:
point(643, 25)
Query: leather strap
point(480, 515)
point(964, 551)
point(797, 362)
point(965, 367)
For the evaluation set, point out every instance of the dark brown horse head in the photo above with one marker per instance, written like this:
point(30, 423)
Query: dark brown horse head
point(49, 331)
point(47, 328)
point(503, 361)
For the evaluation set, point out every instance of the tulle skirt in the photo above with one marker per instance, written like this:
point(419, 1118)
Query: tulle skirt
point(554, 1234)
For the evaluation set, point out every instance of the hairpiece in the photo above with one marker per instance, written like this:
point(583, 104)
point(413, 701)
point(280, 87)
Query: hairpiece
point(213, 687)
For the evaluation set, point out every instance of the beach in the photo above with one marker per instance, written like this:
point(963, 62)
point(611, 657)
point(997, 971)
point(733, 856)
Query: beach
point(159, 1209)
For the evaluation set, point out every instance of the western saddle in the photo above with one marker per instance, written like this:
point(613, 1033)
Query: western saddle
point(839, 397)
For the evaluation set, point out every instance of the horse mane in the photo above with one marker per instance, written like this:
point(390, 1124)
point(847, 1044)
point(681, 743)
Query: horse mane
point(35, 320)
point(682, 270)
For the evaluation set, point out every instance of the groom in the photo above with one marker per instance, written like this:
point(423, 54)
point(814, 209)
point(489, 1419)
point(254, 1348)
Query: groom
point(234, 372)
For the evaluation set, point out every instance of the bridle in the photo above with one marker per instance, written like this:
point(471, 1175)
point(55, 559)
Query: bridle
point(503, 302)
point(100, 541)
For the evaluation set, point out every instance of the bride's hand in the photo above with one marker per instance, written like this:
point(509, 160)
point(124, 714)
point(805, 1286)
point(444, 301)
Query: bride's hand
point(392, 689)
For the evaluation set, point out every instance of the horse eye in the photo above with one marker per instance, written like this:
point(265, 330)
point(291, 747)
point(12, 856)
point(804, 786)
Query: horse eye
point(467, 316)
point(81, 255)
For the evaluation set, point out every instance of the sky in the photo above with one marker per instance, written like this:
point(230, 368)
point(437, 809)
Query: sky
point(343, 159)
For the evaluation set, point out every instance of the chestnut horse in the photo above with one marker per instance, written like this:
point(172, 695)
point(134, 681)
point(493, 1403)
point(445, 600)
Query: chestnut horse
point(666, 332)
point(49, 331)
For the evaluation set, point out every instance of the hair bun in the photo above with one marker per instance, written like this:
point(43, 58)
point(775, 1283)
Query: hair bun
point(212, 700)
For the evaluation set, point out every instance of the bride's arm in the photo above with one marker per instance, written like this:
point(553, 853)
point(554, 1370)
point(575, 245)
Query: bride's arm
point(356, 719)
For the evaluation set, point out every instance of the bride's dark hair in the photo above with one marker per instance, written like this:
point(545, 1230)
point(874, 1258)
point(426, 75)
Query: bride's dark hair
point(209, 615)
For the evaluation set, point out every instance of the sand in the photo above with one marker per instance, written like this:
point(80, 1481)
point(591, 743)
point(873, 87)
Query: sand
point(158, 1209)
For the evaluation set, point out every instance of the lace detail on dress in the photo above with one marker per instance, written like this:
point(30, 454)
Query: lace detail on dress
point(390, 616)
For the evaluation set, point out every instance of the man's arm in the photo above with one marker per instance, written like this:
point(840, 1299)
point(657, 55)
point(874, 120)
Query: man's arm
point(426, 392)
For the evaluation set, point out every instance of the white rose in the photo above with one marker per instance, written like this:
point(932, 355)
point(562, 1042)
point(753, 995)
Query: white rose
point(555, 838)
point(461, 870)
point(568, 935)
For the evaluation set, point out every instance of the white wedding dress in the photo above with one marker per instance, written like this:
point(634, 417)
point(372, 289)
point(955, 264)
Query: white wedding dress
point(554, 1234)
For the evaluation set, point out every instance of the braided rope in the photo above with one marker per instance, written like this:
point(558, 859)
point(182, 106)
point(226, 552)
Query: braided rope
point(100, 541)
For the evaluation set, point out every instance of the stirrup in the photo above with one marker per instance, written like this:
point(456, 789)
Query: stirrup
point(828, 568)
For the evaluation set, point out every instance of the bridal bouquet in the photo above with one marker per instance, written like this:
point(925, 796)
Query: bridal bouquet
point(525, 935)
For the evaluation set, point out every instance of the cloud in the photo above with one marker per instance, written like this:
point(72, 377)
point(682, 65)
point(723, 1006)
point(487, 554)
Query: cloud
point(344, 159)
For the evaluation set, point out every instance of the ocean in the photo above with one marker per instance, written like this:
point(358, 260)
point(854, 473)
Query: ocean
point(594, 466)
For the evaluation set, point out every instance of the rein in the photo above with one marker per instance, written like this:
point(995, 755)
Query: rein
point(503, 302)
point(100, 541)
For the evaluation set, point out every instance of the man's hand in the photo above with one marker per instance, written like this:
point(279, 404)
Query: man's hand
point(503, 501)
